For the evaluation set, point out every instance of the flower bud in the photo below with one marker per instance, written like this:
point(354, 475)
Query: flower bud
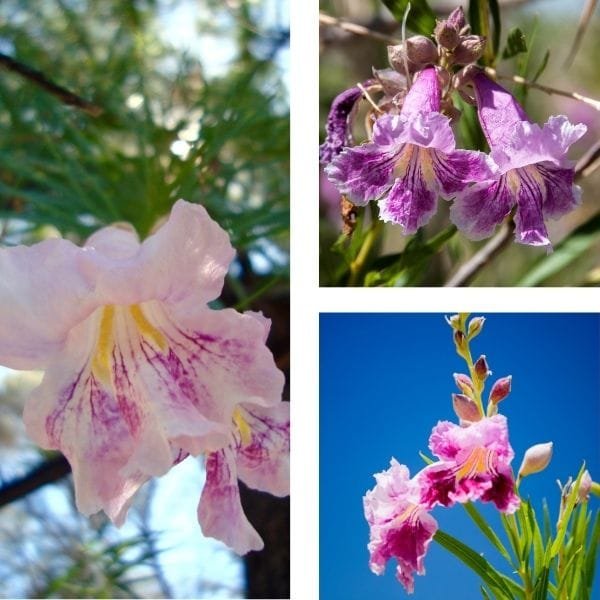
point(457, 322)
point(421, 50)
point(536, 459)
point(469, 50)
point(500, 389)
point(475, 327)
point(460, 342)
point(464, 383)
point(585, 485)
point(465, 408)
point(464, 76)
point(446, 35)
point(457, 18)
point(482, 369)
point(399, 61)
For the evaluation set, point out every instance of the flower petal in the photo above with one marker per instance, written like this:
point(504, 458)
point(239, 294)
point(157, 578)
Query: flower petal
point(43, 294)
point(458, 169)
point(479, 209)
point(220, 511)
point(424, 94)
point(363, 173)
point(412, 200)
point(263, 461)
point(561, 195)
point(529, 219)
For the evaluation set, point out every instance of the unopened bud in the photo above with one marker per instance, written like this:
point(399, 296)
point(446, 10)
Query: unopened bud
point(481, 368)
point(465, 408)
point(464, 383)
point(469, 50)
point(500, 389)
point(457, 18)
point(464, 76)
point(536, 459)
point(446, 35)
point(475, 327)
point(585, 485)
point(390, 80)
point(460, 342)
point(457, 322)
point(421, 50)
point(399, 61)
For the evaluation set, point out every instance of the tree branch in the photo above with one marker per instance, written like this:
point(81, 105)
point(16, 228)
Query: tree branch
point(49, 471)
point(39, 79)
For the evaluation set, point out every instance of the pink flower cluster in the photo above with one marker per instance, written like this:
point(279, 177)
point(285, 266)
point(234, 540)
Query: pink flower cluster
point(473, 464)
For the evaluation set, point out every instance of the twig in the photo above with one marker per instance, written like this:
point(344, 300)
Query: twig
point(356, 29)
point(39, 79)
point(544, 88)
point(589, 162)
point(584, 21)
point(49, 471)
point(484, 256)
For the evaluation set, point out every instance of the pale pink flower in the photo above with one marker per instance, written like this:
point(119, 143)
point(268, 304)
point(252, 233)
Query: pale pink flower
point(139, 371)
point(400, 526)
point(474, 465)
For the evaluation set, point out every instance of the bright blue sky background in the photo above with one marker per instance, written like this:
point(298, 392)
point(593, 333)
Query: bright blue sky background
point(385, 380)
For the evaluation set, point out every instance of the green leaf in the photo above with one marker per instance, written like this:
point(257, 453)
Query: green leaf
point(479, 18)
point(421, 19)
point(570, 249)
point(540, 590)
point(515, 43)
point(426, 458)
point(489, 533)
point(542, 66)
point(503, 587)
point(592, 550)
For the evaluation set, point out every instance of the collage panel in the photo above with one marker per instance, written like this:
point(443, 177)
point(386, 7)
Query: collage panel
point(459, 455)
point(459, 144)
point(144, 299)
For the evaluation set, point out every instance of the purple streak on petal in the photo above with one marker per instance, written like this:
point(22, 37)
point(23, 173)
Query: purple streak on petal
point(458, 169)
point(424, 95)
point(411, 201)
point(502, 493)
point(529, 219)
point(561, 195)
point(363, 173)
point(478, 210)
point(220, 511)
point(338, 126)
point(498, 110)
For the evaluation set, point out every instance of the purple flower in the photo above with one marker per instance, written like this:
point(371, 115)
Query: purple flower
point(411, 160)
point(338, 124)
point(474, 465)
point(400, 526)
point(532, 172)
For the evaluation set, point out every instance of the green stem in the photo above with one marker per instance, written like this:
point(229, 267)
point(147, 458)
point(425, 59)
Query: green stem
point(358, 264)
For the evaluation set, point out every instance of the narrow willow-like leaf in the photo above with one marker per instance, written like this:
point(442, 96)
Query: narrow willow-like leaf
point(540, 590)
point(426, 458)
point(489, 533)
point(479, 18)
point(592, 550)
point(502, 586)
point(513, 537)
point(421, 19)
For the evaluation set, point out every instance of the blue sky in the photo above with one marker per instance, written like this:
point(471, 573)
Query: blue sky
point(385, 380)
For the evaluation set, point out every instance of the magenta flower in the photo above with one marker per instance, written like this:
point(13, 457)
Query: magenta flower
point(139, 371)
point(411, 160)
point(400, 526)
point(532, 175)
point(474, 465)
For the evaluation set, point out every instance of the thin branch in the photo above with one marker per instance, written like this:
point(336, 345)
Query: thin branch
point(357, 29)
point(39, 79)
point(584, 21)
point(483, 257)
point(589, 162)
point(49, 471)
point(544, 88)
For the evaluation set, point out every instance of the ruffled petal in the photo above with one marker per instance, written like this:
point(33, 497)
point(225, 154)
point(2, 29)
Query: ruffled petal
point(363, 173)
point(43, 294)
point(460, 168)
point(562, 195)
point(412, 200)
point(263, 449)
point(478, 210)
point(220, 511)
point(185, 261)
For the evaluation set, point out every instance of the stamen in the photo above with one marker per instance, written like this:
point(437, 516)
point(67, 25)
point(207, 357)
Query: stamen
point(479, 462)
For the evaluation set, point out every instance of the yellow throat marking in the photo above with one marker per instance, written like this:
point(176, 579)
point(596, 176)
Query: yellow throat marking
point(243, 427)
point(101, 363)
